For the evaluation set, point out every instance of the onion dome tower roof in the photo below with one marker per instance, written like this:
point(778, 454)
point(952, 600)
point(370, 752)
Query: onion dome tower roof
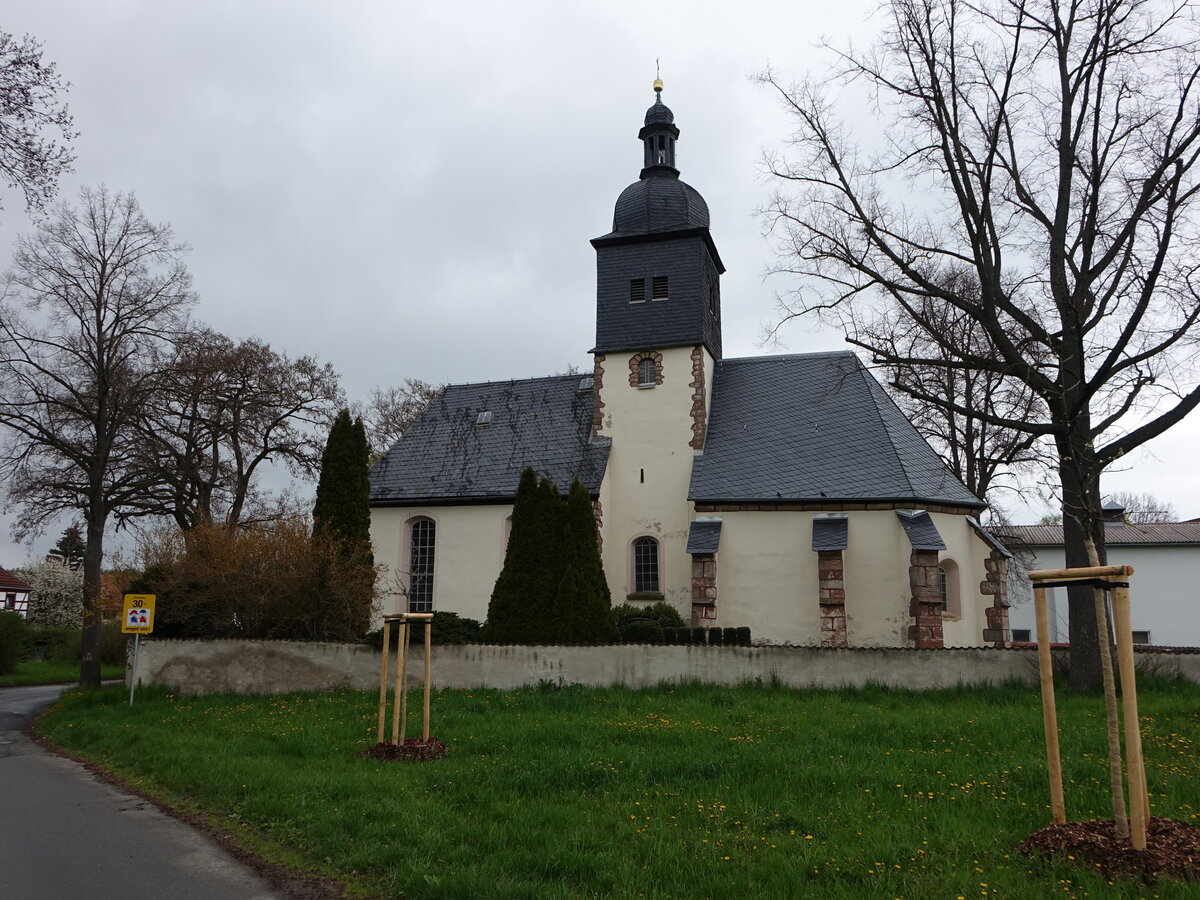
point(659, 201)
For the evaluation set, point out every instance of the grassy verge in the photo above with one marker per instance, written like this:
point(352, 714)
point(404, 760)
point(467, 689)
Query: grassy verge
point(690, 791)
point(49, 671)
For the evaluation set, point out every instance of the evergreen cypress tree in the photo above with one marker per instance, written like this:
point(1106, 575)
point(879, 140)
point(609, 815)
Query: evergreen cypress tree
point(589, 616)
point(552, 589)
point(549, 610)
point(342, 510)
point(333, 512)
point(359, 532)
point(509, 610)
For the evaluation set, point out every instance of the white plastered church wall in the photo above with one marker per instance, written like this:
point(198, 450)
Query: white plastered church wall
point(649, 469)
point(767, 578)
point(468, 555)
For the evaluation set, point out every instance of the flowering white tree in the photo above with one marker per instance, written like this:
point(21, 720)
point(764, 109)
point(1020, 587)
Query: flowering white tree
point(57, 596)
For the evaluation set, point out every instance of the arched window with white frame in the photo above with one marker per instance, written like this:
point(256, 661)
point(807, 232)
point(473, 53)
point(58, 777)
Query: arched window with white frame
point(422, 547)
point(647, 568)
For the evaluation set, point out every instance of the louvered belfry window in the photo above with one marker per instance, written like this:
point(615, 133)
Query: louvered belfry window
point(637, 290)
point(420, 570)
point(659, 287)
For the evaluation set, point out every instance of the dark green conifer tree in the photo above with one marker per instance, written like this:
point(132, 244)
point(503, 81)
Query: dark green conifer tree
point(508, 619)
point(342, 507)
point(342, 510)
point(552, 589)
point(584, 598)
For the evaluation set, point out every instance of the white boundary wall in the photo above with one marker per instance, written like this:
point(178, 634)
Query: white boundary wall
point(274, 667)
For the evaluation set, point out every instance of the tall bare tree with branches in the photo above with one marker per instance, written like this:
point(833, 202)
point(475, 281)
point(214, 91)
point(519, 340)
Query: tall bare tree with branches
point(222, 411)
point(986, 457)
point(92, 297)
point(31, 158)
point(1049, 148)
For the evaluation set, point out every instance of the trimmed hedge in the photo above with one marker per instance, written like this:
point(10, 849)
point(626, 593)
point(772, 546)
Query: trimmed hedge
point(448, 628)
point(643, 631)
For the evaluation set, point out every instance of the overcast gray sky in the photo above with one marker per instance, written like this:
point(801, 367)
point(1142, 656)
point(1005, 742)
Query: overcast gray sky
point(407, 190)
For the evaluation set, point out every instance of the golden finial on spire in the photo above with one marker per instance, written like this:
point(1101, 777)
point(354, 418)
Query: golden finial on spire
point(658, 85)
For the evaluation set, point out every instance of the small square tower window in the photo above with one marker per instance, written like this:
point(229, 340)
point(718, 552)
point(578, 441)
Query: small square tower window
point(659, 288)
point(637, 290)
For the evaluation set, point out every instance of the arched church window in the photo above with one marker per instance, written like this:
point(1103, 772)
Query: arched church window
point(645, 369)
point(646, 372)
point(421, 546)
point(948, 588)
point(645, 565)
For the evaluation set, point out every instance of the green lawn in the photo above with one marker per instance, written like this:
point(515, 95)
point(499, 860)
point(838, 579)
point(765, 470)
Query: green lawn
point(49, 671)
point(690, 791)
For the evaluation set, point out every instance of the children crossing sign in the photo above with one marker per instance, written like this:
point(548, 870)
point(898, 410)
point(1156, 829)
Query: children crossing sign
point(138, 617)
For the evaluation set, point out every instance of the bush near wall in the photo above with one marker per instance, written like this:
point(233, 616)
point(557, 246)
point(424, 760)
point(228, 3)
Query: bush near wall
point(272, 581)
point(448, 628)
point(58, 644)
point(12, 641)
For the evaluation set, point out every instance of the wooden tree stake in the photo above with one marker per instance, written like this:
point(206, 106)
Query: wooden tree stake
point(1058, 805)
point(401, 674)
point(428, 649)
point(383, 671)
point(402, 687)
point(1139, 801)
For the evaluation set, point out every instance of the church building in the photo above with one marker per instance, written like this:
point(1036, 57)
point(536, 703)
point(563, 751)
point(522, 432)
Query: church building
point(786, 493)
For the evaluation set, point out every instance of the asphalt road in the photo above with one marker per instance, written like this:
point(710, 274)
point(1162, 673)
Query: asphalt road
point(66, 834)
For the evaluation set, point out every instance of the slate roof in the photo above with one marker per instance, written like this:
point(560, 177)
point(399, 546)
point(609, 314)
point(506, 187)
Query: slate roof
point(657, 204)
point(988, 538)
point(830, 533)
point(444, 457)
point(814, 427)
point(659, 112)
point(10, 582)
point(1151, 534)
point(919, 527)
point(704, 536)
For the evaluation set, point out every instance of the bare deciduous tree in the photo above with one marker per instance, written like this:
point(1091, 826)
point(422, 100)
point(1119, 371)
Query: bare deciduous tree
point(1143, 508)
point(91, 299)
point(389, 412)
point(222, 411)
point(1049, 148)
point(29, 109)
point(983, 455)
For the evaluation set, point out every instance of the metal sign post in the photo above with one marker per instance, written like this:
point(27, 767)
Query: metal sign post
point(137, 619)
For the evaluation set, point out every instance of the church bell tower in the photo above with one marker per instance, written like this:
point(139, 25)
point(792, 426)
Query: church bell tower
point(658, 271)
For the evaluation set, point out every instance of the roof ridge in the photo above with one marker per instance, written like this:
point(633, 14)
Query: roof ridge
point(766, 357)
point(505, 381)
point(873, 387)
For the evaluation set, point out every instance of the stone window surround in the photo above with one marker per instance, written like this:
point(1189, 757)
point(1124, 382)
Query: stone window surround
point(953, 595)
point(636, 360)
point(699, 414)
point(704, 589)
point(831, 589)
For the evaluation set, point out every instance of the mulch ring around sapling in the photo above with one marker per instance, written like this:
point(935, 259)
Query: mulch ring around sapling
point(1171, 848)
point(412, 750)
